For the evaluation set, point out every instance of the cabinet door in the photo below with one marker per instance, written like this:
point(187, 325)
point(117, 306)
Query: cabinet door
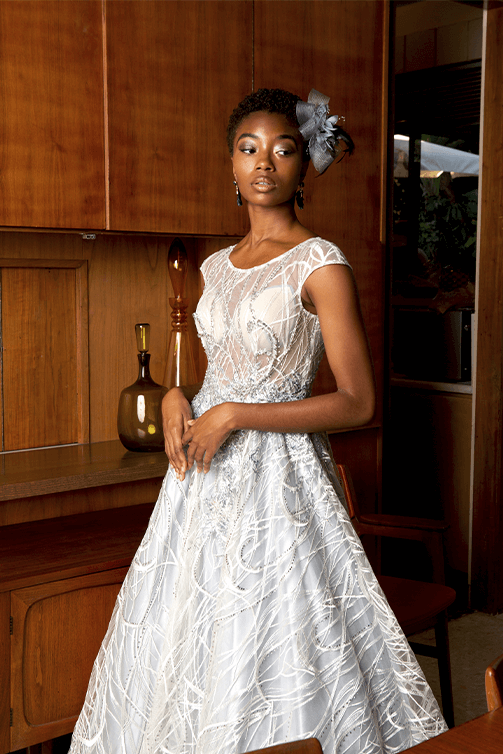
point(52, 164)
point(175, 72)
point(57, 631)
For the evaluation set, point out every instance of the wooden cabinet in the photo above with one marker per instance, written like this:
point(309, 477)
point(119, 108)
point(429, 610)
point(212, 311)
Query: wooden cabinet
point(59, 580)
point(52, 171)
point(115, 113)
point(57, 629)
point(175, 72)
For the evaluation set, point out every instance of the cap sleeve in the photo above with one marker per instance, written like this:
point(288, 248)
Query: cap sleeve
point(214, 262)
point(320, 253)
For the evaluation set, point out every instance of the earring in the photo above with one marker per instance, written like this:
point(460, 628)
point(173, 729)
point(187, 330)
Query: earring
point(300, 195)
point(238, 195)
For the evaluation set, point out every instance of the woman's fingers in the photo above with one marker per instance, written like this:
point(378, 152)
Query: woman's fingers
point(175, 452)
point(201, 456)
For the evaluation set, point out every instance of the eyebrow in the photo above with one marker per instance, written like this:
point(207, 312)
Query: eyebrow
point(254, 136)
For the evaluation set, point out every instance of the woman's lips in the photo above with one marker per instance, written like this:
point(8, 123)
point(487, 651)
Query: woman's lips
point(264, 185)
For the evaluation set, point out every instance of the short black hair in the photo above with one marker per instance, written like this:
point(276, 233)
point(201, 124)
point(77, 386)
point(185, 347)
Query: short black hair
point(276, 101)
point(263, 100)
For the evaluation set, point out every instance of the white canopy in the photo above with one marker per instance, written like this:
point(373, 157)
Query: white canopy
point(435, 159)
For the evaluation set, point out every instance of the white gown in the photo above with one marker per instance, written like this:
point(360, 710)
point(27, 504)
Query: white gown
point(250, 615)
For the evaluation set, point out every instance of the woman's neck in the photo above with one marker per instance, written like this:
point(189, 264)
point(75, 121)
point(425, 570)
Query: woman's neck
point(272, 232)
point(278, 225)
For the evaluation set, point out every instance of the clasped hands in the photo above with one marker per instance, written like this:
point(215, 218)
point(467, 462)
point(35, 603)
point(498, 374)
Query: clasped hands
point(187, 440)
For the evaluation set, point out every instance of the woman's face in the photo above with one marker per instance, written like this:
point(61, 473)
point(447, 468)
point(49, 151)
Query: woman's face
point(268, 159)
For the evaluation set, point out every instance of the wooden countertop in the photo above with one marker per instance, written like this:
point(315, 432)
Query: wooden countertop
point(73, 467)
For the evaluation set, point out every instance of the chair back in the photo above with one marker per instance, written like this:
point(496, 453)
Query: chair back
point(494, 684)
point(349, 492)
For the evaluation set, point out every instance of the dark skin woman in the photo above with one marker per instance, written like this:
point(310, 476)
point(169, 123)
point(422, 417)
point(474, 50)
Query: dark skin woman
point(268, 162)
point(250, 615)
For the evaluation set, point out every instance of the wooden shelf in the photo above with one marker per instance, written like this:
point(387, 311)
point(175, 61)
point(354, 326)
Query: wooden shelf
point(70, 546)
point(52, 470)
point(435, 386)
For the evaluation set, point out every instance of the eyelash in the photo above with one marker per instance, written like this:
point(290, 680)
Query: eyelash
point(252, 150)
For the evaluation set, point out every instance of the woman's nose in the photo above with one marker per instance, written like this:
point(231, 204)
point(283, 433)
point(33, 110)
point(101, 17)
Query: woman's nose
point(264, 162)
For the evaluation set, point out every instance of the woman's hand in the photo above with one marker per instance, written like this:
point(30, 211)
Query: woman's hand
point(176, 415)
point(205, 435)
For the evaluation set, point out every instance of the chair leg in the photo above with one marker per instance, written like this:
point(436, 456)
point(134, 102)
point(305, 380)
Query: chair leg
point(444, 667)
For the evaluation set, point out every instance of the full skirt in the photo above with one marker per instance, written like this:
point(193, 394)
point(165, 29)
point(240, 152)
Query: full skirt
point(250, 616)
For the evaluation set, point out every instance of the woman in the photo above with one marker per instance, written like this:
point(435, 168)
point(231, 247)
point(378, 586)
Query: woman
point(250, 615)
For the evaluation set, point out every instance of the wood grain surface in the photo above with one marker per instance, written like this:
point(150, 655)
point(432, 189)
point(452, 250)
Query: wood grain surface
point(55, 470)
point(44, 551)
point(51, 131)
point(44, 338)
point(487, 533)
point(341, 51)
point(57, 631)
point(483, 735)
point(168, 106)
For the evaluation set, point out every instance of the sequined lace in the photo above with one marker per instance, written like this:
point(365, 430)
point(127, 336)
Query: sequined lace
point(250, 615)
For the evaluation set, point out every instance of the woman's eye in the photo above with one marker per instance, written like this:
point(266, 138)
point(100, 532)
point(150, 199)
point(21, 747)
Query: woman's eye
point(247, 149)
point(285, 150)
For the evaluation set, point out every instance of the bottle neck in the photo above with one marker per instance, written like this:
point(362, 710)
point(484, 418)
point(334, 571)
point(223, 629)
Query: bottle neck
point(144, 362)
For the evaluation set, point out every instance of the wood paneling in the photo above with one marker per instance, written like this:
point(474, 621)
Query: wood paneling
point(337, 47)
point(44, 338)
point(168, 106)
point(128, 282)
point(54, 645)
point(71, 546)
point(43, 507)
point(51, 97)
point(487, 533)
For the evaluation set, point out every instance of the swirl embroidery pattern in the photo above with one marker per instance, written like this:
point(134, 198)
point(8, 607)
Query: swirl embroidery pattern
point(250, 615)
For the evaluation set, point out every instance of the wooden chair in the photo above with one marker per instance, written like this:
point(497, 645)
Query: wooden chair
point(417, 605)
point(494, 684)
point(309, 746)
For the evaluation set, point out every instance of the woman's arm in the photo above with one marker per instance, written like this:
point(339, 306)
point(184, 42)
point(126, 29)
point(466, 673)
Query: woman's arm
point(331, 292)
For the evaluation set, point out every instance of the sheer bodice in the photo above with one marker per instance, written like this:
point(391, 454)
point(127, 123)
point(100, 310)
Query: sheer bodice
point(262, 344)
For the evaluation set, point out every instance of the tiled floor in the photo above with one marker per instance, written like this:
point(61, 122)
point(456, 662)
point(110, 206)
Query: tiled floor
point(475, 641)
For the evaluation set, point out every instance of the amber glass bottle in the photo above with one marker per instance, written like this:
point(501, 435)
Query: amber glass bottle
point(139, 420)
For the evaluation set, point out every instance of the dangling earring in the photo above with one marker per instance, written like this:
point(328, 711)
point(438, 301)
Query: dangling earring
point(299, 196)
point(238, 195)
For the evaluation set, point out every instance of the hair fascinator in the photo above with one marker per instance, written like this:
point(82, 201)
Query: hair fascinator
point(326, 139)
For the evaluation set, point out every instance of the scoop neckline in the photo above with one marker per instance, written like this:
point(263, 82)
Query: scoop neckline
point(274, 259)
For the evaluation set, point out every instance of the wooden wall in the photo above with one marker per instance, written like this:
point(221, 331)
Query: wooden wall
point(69, 307)
point(487, 532)
point(112, 281)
